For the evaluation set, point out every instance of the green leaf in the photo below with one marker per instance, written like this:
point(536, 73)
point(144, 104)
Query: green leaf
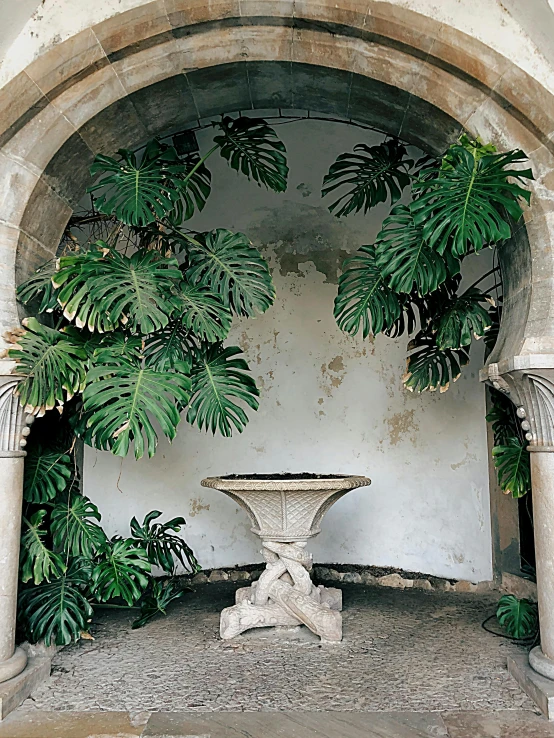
point(219, 379)
point(40, 287)
point(57, 612)
point(161, 543)
point(46, 473)
point(121, 572)
point(204, 314)
point(156, 601)
point(368, 178)
point(53, 364)
point(503, 418)
point(169, 349)
point(194, 195)
point(252, 147)
point(463, 206)
point(136, 193)
point(519, 618)
point(37, 561)
point(461, 318)
point(121, 398)
point(103, 289)
point(113, 346)
point(513, 467)
point(491, 336)
point(365, 301)
point(405, 260)
point(227, 264)
point(73, 528)
point(430, 368)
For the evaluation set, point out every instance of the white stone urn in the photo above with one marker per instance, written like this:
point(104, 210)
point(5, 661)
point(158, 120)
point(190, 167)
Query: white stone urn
point(286, 510)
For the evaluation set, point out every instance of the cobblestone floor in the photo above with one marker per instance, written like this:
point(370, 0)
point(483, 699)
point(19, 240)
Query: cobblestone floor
point(403, 650)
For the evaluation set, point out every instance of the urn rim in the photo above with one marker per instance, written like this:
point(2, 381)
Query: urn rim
point(284, 482)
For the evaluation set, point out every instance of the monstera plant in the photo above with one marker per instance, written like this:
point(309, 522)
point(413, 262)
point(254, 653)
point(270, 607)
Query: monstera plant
point(408, 281)
point(127, 338)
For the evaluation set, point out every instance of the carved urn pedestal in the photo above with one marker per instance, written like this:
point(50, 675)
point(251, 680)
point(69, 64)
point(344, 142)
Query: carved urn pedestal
point(285, 512)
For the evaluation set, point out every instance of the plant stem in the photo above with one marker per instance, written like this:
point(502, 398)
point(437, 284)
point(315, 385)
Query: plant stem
point(199, 163)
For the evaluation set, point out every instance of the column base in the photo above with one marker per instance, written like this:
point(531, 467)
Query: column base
point(541, 663)
point(13, 666)
point(537, 687)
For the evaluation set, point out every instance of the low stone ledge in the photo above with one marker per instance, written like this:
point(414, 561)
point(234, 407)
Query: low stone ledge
point(350, 574)
point(518, 586)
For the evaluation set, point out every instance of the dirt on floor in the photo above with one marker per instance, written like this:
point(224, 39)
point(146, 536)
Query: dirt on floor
point(406, 650)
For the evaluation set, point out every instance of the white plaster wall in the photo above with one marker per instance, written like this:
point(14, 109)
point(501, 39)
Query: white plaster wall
point(521, 30)
point(329, 404)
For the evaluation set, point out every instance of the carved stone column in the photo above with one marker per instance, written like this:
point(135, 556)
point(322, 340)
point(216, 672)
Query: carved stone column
point(529, 382)
point(13, 429)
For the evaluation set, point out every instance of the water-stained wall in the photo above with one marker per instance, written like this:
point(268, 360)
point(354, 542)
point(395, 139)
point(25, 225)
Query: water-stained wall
point(329, 403)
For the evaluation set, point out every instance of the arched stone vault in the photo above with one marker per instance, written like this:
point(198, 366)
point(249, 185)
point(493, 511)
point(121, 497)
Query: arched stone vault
point(151, 70)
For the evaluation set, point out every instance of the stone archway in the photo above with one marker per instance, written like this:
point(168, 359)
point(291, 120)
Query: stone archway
point(159, 66)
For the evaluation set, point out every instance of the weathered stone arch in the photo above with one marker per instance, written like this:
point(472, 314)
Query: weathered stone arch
point(152, 69)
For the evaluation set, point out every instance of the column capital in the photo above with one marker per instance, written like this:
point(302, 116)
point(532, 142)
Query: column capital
point(529, 382)
point(14, 421)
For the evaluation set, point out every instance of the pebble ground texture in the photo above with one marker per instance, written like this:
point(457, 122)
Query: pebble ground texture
point(403, 650)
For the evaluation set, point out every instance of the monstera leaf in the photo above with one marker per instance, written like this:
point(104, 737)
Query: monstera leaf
point(114, 345)
point(204, 314)
point(37, 561)
point(121, 572)
point(138, 193)
point(365, 301)
point(53, 364)
point(227, 264)
point(407, 321)
point(462, 208)
point(193, 196)
point(40, 287)
point(405, 260)
point(57, 612)
point(121, 399)
point(252, 147)
point(46, 473)
point(169, 349)
point(368, 178)
point(503, 418)
point(520, 618)
point(73, 527)
point(513, 467)
point(161, 543)
point(462, 318)
point(430, 368)
point(156, 600)
point(219, 380)
point(102, 289)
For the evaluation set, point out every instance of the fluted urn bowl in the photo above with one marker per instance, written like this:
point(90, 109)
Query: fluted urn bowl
point(286, 507)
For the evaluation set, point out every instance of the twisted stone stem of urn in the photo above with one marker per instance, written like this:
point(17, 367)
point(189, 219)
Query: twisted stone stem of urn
point(285, 595)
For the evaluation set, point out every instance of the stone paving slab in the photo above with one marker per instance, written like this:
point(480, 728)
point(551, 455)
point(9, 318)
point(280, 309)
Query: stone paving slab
point(403, 651)
point(501, 724)
point(24, 723)
point(59, 724)
point(296, 725)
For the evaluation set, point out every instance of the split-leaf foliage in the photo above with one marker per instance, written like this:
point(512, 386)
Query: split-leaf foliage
point(126, 339)
point(408, 280)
